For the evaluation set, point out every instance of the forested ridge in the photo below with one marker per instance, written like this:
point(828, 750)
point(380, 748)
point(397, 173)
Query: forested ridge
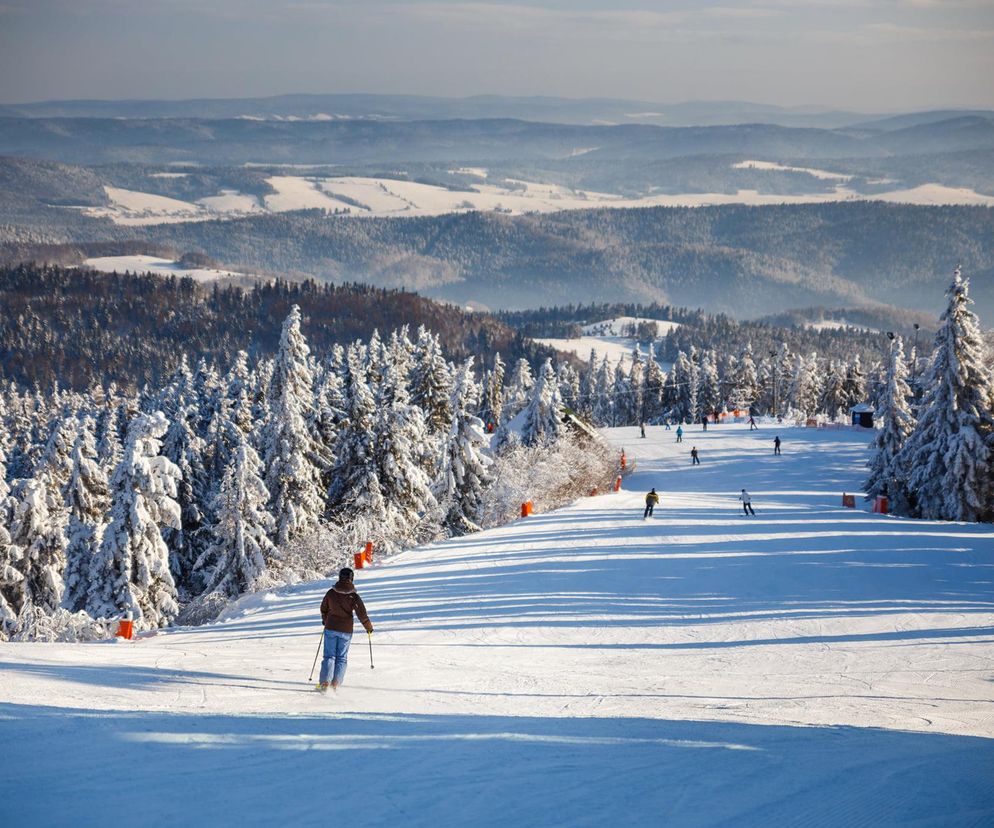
point(745, 261)
point(76, 326)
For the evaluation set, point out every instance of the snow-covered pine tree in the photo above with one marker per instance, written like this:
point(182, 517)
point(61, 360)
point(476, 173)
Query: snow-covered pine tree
point(833, 396)
point(184, 448)
point(518, 391)
point(746, 380)
point(543, 419)
point(215, 445)
point(40, 421)
point(56, 458)
point(780, 372)
point(87, 496)
point(400, 352)
point(259, 398)
point(684, 384)
point(569, 384)
point(241, 413)
point(238, 379)
point(896, 423)
point(492, 404)
point(206, 390)
point(709, 388)
point(854, 385)
point(18, 436)
point(376, 359)
point(240, 550)
point(947, 456)
point(38, 532)
point(109, 449)
point(876, 383)
point(588, 386)
point(11, 592)
point(130, 571)
point(293, 458)
point(655, 382)
point(431, 383)
point(4, 427)
point(465, 465)
point(693, 387)
point(179, 391)
point(621, 395)
point(669, 400)
point(4, 487)
point(803, 390)
point(603, 394)
point(407, 458)
point(636, 382)
point(11, 580)
point(330, 406)
point(355, 487)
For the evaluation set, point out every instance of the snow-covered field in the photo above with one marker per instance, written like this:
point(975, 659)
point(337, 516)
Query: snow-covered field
point(363, 196)
point(609, 339)
point(154, 264)
point(769, 165)
point(836, 325)
point(811, 665)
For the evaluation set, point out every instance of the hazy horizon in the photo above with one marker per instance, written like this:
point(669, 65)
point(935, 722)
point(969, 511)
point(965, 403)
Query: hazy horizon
point(813, 107)
point(861, 55)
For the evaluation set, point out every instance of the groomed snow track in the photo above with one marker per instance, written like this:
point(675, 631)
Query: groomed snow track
point(813, 665)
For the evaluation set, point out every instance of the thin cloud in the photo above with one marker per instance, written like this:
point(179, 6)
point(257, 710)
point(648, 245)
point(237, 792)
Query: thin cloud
point(900, 33)
point(628, 23)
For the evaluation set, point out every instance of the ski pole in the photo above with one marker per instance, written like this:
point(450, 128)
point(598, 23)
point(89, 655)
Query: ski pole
point(369, 636)
point(315, 664)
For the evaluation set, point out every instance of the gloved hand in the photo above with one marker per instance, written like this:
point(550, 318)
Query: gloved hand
point(369, 632)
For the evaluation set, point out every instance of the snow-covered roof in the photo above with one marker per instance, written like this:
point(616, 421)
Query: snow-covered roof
point(862, 408)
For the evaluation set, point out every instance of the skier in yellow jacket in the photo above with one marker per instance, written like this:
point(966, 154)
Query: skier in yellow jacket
point(651, 501)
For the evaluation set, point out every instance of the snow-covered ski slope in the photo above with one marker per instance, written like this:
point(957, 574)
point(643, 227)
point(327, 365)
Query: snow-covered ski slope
point(813, 665)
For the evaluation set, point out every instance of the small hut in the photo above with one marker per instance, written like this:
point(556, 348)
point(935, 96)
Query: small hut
point(862, 415)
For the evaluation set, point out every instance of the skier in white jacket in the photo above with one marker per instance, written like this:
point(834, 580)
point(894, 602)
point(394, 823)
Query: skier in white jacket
point(746, 499)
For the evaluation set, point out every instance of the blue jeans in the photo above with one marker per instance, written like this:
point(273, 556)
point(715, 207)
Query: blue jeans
point(336, 655)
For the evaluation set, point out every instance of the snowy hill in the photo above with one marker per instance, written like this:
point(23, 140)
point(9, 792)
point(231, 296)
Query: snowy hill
point(392, 197)
point(156, 264)
point(813, 664)
point(609, 338)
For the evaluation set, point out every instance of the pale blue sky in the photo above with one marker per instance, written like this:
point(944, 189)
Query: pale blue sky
point(872, 55)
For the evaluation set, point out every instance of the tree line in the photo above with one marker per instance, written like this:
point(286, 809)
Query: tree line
point(167, 503)
point(76, 327)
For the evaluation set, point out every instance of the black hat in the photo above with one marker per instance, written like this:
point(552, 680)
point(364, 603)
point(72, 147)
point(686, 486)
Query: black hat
point(345, 574)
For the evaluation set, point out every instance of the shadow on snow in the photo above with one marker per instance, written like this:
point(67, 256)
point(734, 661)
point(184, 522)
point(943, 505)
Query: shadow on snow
point(96, 768)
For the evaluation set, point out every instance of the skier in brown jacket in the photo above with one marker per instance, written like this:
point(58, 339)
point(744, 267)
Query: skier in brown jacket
point(339, 603)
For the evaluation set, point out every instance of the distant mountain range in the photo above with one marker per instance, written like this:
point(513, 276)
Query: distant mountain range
point(747, 262)
point(589, 111)
point(419, 192)
point(241, 141)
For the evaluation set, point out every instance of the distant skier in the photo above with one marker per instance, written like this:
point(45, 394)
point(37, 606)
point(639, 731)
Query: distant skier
point(746, 502)
point(694, 459)
point(336, 612)
point(752, 423)
point(679, 433)
point(651, 501)
point(704, 422)
point(642, 428)
point(668, 424)
point(776, 444)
